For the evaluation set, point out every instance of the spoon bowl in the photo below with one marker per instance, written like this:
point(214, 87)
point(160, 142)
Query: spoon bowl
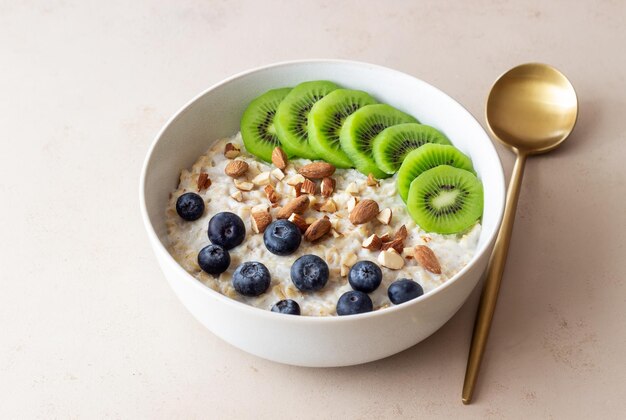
point(532, 108)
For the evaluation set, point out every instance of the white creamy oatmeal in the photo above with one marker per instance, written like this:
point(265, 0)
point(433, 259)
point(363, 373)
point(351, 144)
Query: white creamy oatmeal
point(341, 247)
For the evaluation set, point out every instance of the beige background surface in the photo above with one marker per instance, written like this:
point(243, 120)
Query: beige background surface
point(90, 329)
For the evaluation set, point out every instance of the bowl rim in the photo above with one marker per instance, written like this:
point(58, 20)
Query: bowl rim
point(202, 288)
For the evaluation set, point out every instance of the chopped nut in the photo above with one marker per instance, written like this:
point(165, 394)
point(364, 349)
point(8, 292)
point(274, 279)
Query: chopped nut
point(373, 243)
point(352, 203)
point(384, 216)
point(371, 181)
point(298, 189)
point(328, 186)
point(407, 253)
point(260, 207)
point(204, 181)
point(401, 233)
point(329, 206)
point(237, 196)
point(295, 180)
point(310, 220)
point(278, 174)
point(344, 270)
point(317, 170)
point(308, 186)
point(279, 158)
point(364, 211)
point(352, 188)
point(231, 151)
point(349, 259)
point(391, 259)
point(260, 221)
point(426, 239)
point(385, 238)
point(299, 221)
point(427, 259)
point(298, 205)
point(236, 168)
point(243, 185)
point(271, 194)
point(261, 179)
point(335, 233)
point(397, 244)
point(317, 229)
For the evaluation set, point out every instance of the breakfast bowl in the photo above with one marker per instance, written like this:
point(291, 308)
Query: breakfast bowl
point(308, 340)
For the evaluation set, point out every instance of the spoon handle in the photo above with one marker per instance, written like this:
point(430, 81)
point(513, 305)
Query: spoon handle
point(493, 278)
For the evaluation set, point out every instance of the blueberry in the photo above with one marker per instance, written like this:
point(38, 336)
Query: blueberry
point(251, 278)
point(354, 302)
point(190, 206)
point(403, 290)
point(365, 276)
point(309, 273)
point(287, 306)
point(282, 237)
point(213, 259)
point(226, 229)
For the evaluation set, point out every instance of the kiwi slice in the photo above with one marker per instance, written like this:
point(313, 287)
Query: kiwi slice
point(327, 117)
point(292, 117)
point(446, 200)
point(392, 145)
point(360, 129)
point(427, 157)
point(257, 123)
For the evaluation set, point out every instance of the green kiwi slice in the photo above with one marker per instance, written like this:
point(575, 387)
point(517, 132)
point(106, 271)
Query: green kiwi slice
point(327, 117)
point(257, 123)
point(360, 129)
point(292, 117)
point(391, 146)
point(427, 157)
point(445, 200)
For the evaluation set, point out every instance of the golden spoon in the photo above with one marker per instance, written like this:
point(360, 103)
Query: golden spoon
point(531, 109)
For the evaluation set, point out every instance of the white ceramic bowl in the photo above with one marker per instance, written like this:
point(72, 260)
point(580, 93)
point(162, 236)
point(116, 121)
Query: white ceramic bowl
point(313, 341)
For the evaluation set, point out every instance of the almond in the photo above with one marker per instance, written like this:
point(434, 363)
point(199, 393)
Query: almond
point(278, 174)
point(237, 196)
point(391, 259)
point(231, 151)
point(344, 270)
point(329, 206)
point(236, 168)
point(349, 259)
point(397, 244)
point(204, 181)
point(308, 186)
point(401, 233)
point(364, 211)
point(271, 194)
point(279, 158)
point(352, 203)
point(298, 205)
point(427, 259)
point(299, 221)
point(262, 179)
point(385, 238)
point(298, 189)
point(335, 233)
point(317, 229)
point(244, 185)
point(317, 170)
point(371, 181)
point(295, 180)
point(384, 216)
point(407, 253)
point(260, 221)
point(328, 186)
point(373, 243)
point(352, 188)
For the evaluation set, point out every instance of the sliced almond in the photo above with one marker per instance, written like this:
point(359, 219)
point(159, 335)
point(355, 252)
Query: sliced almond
point(271, 194)
point(237, 196)
point(317, 170)
point(278, 174)
point(427, 259)
point(329, 206)
point(344, 270)
point(236, 168)
point(204, 181)
point(364, 211)
point(279, 158)
point(384, 216)
point(260, 221)
point(231, 151)
point(371, 181)
point(262, 179)
point(352, 203)
point(299, 221)
point(317, 229)
point(243, 185)
point(407, 253)
point(401, 233)
point(308, 187)
point(295, 180)
point(397, 244)
point(349, 259)
point(327, 187)
point(391, 259)
point(298, 205)
point(372, 242)
point(352, 188)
